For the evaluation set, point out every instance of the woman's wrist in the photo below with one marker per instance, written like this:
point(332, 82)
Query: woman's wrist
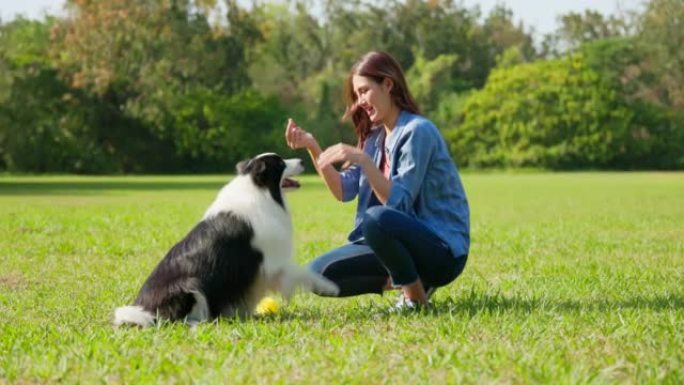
point(313, 147)
point(366, 161)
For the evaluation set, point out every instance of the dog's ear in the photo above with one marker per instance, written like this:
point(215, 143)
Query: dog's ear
point(257, 167)
point(243, 166)
point(250, 166)
point(257, 170)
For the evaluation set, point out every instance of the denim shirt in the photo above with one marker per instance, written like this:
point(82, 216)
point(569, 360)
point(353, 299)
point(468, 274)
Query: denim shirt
point(424, 181)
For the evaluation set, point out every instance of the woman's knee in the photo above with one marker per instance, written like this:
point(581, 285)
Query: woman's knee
point(318, 266)
point(372, 220)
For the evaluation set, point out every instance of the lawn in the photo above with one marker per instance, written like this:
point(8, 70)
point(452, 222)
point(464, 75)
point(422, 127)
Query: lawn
point(572, 278)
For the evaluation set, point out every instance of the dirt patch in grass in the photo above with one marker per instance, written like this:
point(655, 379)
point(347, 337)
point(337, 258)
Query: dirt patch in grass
point(13, 281)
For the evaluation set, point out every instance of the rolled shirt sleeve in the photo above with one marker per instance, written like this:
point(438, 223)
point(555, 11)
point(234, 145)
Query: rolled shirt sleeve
point(349, 179)
point(414, 150)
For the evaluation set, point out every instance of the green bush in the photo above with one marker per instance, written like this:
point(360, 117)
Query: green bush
point(554, 114)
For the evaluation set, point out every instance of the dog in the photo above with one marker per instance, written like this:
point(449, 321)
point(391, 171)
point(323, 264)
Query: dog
point(238, 252)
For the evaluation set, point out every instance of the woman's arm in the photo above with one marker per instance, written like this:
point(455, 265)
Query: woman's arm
point(328, 173)
point(381, 185)
point(296, 138)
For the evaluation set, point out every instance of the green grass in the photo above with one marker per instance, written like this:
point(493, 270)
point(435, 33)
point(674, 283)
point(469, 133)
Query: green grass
point(572, 278)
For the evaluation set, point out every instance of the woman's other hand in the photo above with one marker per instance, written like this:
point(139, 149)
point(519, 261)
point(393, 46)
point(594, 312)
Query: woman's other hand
point(340, 153)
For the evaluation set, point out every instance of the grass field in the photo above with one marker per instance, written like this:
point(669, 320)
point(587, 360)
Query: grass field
point(573, 278)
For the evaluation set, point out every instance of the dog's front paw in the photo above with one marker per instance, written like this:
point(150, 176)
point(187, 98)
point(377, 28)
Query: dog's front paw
point(327, 287)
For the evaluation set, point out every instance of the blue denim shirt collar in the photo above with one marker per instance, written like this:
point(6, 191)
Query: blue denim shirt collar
point(395, 134)
point(379, 143)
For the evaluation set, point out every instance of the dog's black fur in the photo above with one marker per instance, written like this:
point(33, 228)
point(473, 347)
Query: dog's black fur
point(215, 258)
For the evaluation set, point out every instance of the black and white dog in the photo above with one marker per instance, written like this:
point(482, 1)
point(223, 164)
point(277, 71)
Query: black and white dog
point(240, 250)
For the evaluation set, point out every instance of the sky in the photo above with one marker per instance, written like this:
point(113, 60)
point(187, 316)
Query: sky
point(33, 9)
point(539, 14)
point(542, 14)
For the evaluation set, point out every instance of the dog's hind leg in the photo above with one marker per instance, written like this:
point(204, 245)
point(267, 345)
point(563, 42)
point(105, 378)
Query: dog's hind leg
point(179, 301)
point(200, 310)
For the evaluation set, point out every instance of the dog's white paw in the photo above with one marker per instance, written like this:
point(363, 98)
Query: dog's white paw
point(326, 287)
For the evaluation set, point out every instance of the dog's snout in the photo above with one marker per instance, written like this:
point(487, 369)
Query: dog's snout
point(294, 166)
point(299, 164)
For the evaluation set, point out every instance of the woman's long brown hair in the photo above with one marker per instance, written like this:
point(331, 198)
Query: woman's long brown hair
point(377, 66)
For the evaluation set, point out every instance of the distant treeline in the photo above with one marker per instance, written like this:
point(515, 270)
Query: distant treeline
point(131, 86)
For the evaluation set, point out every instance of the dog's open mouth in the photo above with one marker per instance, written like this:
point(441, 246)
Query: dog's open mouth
point(288, 183)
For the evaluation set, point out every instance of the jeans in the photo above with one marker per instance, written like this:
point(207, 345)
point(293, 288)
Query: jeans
point(394, 246)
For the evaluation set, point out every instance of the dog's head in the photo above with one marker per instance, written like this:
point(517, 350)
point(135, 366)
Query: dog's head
point(270, 171)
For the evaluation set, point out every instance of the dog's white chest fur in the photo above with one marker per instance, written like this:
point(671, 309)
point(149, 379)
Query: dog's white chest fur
point(270, 221)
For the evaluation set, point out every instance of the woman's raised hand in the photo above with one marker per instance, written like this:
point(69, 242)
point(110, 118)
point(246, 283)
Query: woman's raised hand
point(296, 137)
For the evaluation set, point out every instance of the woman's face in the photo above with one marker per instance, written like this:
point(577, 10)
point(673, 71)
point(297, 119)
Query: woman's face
point(373, 97)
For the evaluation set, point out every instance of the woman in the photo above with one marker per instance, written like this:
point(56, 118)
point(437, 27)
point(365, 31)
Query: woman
point(411, 228)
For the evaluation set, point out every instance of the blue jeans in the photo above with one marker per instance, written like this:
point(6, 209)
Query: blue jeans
point(395, 246)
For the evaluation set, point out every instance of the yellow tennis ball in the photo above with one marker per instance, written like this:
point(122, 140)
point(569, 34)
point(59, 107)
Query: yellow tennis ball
point(267, 306)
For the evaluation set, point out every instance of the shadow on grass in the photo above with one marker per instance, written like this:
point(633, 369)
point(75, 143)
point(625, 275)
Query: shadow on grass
point(472, 305)
point(92, 187)
point(496, 303)
point(483, 303)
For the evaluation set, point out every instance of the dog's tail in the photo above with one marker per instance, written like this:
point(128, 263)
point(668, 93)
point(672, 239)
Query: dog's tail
point(133, 315)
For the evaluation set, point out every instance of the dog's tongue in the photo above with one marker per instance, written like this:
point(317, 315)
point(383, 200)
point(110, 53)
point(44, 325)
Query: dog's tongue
point(289, 183)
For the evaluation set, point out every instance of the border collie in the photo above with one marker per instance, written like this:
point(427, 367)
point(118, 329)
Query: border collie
point(239, 251)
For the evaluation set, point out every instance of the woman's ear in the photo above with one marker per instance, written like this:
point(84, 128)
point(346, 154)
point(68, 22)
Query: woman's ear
point(388, 84)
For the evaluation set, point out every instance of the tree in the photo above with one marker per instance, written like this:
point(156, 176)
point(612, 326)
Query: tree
point(661, 38)
point(501, 34)
point(44, 125)
point(431, 80)
point(143, 60)
point(577, 29)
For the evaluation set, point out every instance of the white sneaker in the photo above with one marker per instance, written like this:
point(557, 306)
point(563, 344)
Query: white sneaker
point(404, 304)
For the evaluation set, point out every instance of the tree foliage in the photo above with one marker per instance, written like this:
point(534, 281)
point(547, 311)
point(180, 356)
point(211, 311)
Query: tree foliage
point(577, 29)
point(44, 126)
point(555, 114)
point(660, 39)
point(196, 85)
